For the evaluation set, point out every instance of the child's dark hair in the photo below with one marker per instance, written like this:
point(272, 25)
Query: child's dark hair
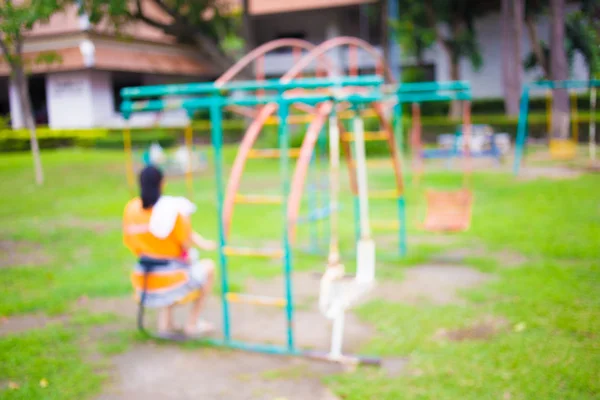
point(150, 186)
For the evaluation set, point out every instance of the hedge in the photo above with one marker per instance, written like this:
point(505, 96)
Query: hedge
point(18, 140)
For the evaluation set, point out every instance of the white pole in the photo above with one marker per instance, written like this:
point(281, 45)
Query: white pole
point(593, 125)
point(337, 336)
point(361, 177)
point(365, 249)
point(334, 171)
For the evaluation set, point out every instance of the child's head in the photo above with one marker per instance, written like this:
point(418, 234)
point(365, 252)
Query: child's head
point(151, 184)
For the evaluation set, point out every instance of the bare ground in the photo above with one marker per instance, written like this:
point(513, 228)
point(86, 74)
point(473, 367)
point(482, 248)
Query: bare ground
point(433, 283)
point(22, 253)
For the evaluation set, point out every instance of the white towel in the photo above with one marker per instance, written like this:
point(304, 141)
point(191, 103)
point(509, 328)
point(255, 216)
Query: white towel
point(165, 212)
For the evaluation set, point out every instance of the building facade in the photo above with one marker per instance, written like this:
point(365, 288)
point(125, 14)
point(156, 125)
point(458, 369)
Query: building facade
point(81, 90)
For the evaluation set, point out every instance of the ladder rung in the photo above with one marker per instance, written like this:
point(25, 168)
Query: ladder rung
point(251, 252)
point(369, 136)
point(384, 194)
point(257, 199)
point(376, 163)
point(256, 300)
point(385, 225)
point(272, 153)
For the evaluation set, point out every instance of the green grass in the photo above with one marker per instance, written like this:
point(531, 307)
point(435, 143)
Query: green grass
point(51, 354)
point(74, 222)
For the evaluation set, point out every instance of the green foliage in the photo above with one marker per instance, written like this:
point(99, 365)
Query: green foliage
point(17, 18)
point(418, 30)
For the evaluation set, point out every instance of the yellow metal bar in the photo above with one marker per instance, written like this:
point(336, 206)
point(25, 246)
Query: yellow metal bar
point(250, 252)
point(129, 159)
point(189, 143)
point(385, 225)
point(272, 153)
point(549, 112)
point(384, 194)
point(307, 118)
point(369, 136)
point(255, 300)
point(574, 118)
point(257, 199)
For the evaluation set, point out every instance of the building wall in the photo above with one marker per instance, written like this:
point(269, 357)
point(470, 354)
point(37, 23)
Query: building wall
point(487, 81)
point(70, 99)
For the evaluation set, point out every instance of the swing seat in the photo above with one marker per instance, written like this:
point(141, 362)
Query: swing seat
point(448, 211)
point(563, 149)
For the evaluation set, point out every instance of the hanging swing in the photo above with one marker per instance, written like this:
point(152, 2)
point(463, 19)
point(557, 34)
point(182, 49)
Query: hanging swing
point(446, 211)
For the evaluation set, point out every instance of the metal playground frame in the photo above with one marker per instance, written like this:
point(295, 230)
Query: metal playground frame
point(567, 145)
point(324, 94)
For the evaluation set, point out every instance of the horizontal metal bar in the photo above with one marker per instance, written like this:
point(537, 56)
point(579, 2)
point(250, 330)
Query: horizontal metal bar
point(258, 199)
point(272, 84)
point(385, 225)
point(423, 97)
point(432, 86)
point(256, 300)
point(271, 153)
point(569, 84)
point(251, 252)
point(368, 136)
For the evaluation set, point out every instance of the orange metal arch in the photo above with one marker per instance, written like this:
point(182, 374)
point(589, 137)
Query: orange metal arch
point(321, 112)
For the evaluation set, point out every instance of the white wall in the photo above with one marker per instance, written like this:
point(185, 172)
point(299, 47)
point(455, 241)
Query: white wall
point(70, 100)
point(102, 97)
point(15, 107)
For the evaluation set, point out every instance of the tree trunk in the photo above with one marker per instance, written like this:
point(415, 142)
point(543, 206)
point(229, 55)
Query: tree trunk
point(247, 27)
point(536, 45)
point(559, 69)
point(385, 40)
point(455, 106)
point(455, 111)
point(22, 84)
point(512, 69)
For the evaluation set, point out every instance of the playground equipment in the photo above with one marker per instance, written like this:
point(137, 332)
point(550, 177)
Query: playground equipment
point(446, 210)
point(560, 148)
point(485, 143)
point(215, 98)
point(323, 100)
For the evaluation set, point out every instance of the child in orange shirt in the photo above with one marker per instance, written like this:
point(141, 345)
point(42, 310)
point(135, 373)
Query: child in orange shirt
point(157, 229)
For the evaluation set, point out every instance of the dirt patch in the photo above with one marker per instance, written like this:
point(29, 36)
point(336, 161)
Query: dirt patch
point(434, 283)
point(482, 330)
point(505, 258)
point(22, 323)
point(552, 172)
point(259, 324)
point(22, 253)
point(156, 372)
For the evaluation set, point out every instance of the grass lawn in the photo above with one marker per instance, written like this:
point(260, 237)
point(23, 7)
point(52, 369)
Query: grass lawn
point(62, 242)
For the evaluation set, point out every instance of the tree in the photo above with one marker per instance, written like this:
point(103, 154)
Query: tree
point(512, 68)
point(16, 19)
point(211, 25)
point(581, 36)
point(459, 41)
point(559, 69)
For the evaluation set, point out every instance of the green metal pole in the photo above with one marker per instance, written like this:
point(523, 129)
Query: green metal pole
point(284, 168)
point(521, 130)
point(322, 178)
point(216, 117)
